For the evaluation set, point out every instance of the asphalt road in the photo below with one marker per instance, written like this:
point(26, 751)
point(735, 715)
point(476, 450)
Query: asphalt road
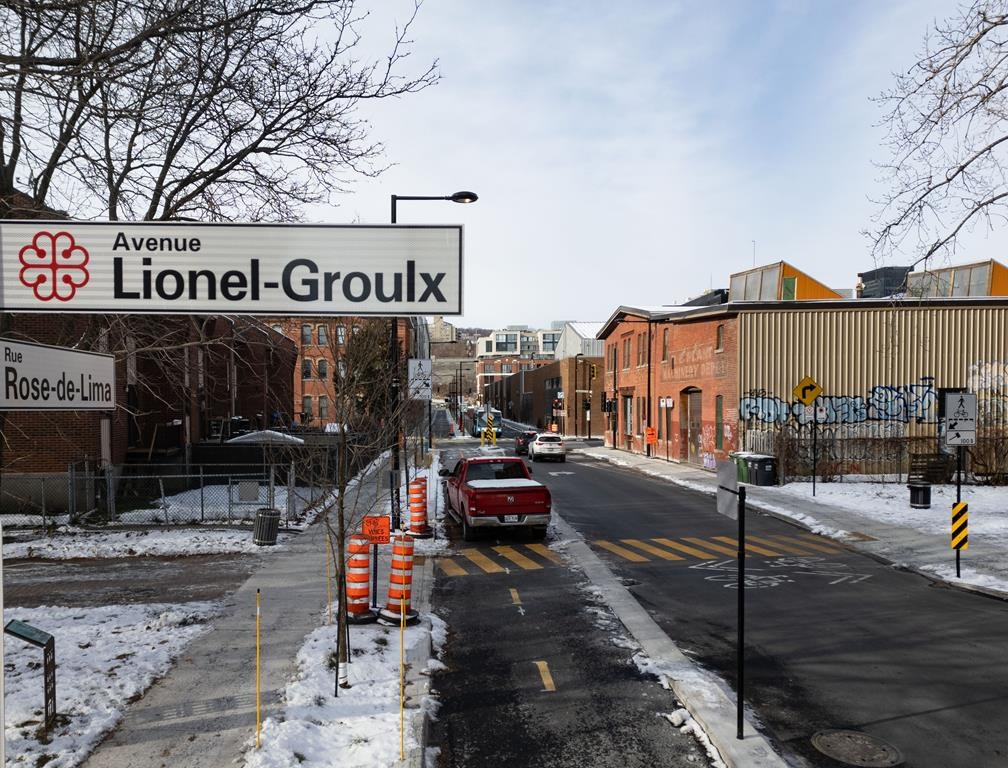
point(834, 640)
point(538, 672)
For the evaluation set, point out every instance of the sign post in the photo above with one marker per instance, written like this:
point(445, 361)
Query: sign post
point(806, 392)
point(730, 506)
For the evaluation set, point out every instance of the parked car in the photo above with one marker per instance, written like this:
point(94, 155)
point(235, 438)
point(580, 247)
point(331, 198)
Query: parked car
point(523, 440)
point(548, 445)
point(496, 492)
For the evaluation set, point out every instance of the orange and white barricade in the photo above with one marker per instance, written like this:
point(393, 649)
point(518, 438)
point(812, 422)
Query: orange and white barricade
point(400, 582)
point(418, 526)
point(358, 581)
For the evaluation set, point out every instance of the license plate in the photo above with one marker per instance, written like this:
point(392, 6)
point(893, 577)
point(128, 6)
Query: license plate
point(510, 518)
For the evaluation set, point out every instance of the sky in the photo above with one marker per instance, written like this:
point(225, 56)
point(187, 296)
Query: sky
point(140, 642)
point(639, 153)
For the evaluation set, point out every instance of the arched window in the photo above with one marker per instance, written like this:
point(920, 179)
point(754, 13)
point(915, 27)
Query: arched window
point(306, 368)
point(719, 339)
point(306, 335)
point(323, 371)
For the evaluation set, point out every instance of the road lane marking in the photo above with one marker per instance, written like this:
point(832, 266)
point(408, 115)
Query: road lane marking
point(791, 547)
point(451, 568)
point(816, 543)
point(750, 547)
point(482, 561)
point(622, 551)
point(544, 673)
point(712, 546)
point(662, 553)
point(688, 550)
point(517, 558)
point(515, 600)
point(544, 551)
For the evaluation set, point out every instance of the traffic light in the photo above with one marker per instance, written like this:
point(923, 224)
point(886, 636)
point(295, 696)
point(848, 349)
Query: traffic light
point(587, 404)
point(594, 371)
point(557, 404)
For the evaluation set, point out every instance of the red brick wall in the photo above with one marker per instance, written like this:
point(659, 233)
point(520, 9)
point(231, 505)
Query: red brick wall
point(691, 363)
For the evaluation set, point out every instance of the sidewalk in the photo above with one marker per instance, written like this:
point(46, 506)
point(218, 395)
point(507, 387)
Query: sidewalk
point(984, 564)
point(203, 712)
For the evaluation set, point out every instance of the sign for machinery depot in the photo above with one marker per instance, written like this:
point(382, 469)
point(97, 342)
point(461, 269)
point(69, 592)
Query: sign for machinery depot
point(255, 269)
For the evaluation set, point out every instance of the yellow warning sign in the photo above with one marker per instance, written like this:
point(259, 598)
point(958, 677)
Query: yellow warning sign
point(960, 525)
point(807, 391)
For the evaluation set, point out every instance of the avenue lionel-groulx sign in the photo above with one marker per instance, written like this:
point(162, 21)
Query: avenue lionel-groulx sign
point(255, 269)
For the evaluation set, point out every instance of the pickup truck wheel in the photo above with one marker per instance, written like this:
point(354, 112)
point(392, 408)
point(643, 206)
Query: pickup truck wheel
point(539, 533)
point(468, 534)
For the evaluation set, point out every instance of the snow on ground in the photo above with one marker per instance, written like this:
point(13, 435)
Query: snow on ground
point(105, 657)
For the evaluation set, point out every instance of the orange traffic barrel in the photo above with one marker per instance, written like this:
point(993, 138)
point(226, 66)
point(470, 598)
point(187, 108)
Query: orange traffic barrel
point(418, 526)
point(358, 580)
point(400, 582)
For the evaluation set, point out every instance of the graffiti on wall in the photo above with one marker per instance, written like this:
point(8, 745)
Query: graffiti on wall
point(989, 379)
point(899, 404)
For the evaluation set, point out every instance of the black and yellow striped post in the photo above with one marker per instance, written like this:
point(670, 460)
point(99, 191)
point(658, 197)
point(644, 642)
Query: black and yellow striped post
point(960, 529)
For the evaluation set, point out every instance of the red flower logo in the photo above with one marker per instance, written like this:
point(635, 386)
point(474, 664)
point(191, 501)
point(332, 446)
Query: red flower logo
point(54, 266)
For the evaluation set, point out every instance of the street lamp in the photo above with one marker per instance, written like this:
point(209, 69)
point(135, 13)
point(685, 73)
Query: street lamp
point(455, 197)
point(577, 410)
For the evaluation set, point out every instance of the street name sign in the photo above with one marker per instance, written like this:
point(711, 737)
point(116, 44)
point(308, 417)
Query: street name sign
point(252, 269)
point(960, 418)
point(38, 377)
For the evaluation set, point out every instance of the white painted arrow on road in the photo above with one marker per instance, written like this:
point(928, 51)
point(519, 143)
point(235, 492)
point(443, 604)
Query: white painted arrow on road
point(555, 474)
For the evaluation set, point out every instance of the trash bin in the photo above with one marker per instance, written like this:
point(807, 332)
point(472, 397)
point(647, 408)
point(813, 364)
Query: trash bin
point(267, 524)
point(762, 469)
point(741, 467)
point(920, 495)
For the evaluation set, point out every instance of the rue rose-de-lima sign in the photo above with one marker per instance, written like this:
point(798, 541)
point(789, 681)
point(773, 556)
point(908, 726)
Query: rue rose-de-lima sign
point(253, 269)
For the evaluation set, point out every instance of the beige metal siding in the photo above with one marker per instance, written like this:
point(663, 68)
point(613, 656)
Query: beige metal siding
point(851, 352)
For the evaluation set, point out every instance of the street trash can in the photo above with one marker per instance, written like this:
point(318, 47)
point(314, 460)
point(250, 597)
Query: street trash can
point(741, 467)
point(762, 469)
point(766, 470)
point(267, 524)
point(920, 495)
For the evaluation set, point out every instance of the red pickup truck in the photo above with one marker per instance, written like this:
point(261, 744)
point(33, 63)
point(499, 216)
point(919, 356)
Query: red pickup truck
point(496, 492)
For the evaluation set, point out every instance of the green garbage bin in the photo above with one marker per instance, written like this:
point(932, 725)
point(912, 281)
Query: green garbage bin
point(741, 466)
point(267, 525)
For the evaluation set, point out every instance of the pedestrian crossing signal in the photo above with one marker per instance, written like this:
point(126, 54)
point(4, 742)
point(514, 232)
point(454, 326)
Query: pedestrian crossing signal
point(594, 371)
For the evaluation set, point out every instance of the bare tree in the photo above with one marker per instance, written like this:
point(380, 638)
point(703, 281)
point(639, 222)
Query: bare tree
point(947, 120)
point(344, 465)
point(206, 109)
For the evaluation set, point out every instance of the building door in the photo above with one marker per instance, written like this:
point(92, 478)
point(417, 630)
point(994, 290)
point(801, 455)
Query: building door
point(691, 423)
point(628, 424)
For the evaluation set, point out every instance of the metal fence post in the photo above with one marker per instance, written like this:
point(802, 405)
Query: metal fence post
point(202, 500)
point(109, 495)
point(42, 483)
point(72, 491)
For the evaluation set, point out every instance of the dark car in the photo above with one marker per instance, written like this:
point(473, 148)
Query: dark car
point(523, 440)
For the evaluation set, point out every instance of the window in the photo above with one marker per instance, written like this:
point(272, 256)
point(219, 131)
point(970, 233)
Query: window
point(306, 369)
point(719, 338)
point(323, 335)
point(789, 287)
point(489, 347)
point(549, 342)
point(355, 330)
point(306, 334)
point(306, 408)
point(488, 368)
point(323, 370)
point(323, 407)
point(641, 356)
point(341, 334)
point(506, 342)
point(719, 423)
point(640, 415)
point(505, 367)
point(626, 353)
point(341, 368)
point(278, 329)
point(664, 344)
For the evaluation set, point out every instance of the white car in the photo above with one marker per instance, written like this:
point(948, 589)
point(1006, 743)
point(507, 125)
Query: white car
point(548, 445)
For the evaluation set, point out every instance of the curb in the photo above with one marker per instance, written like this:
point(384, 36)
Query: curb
point(417, 679)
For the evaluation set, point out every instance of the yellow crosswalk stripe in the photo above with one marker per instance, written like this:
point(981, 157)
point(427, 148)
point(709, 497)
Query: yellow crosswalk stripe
point(517, 558)
point(750, 547)
point(816, 542)
point(450, 567)
point(699, 553)
point(790, 547)
point(482, 561)
point(662, 553)
point(621, 551)
point(712, 546)
point(544, 551)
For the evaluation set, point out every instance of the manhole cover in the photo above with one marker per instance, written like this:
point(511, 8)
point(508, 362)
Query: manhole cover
point(856, 748)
